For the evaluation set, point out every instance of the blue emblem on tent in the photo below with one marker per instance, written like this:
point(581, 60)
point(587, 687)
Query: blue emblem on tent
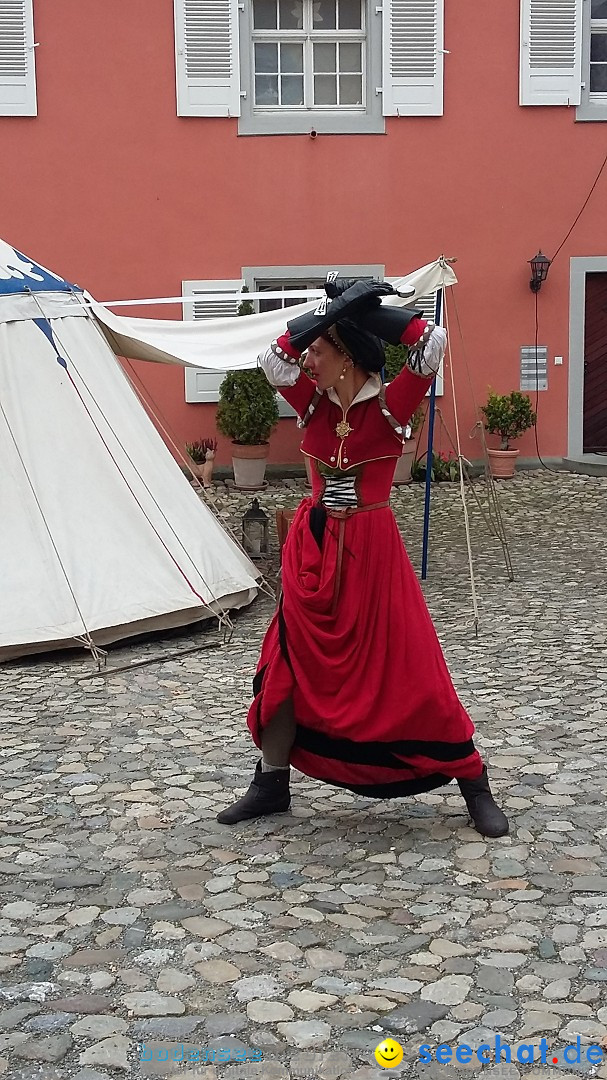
point(47, 330)
point(19, 274)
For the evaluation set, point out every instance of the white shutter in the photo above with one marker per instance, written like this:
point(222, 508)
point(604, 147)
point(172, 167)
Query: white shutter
point(207, 57)
point(204, 385)
point(413, 32)
point(17, 66)
point(551, 52)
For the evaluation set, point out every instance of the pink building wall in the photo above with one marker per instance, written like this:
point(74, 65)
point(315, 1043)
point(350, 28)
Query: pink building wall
point(116, 192)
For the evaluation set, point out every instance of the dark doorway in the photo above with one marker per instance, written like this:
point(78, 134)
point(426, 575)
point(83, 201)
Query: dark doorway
point(595, 365)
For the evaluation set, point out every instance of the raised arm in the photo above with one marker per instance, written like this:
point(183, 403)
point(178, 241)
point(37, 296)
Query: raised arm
point(279, 364)
point(426, 346)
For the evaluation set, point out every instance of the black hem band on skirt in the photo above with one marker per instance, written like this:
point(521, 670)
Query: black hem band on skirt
point(385, 755)
point(397, 790)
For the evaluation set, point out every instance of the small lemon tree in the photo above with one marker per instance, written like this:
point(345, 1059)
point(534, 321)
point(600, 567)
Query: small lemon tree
point(248, 410)
point(508, 415)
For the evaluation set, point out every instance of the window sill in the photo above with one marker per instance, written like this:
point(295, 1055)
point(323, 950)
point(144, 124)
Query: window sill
point(323, 123)
point(592, 110)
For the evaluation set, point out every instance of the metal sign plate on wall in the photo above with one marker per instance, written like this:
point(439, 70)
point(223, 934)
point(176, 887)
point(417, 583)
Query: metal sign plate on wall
point(534, 367)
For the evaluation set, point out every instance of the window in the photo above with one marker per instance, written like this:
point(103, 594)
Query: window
point(598, 47)
point(290, 66)
point(17, 66)
point(594, 62)
point(274, 304)
point(308, 53)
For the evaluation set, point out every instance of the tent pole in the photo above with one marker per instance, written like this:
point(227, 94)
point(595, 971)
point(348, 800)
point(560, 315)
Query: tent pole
point(431, 416)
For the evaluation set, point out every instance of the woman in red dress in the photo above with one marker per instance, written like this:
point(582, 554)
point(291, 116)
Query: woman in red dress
point(352, 687)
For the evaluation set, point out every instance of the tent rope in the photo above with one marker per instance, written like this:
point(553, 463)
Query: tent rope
point(494, 509)
point(85, 638)
point(462, 489)
point(99, 655)
point(223, 616)
point(154, 413)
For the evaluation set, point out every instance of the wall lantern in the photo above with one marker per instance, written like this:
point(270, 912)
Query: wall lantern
point(539, 271)
point(255, 532)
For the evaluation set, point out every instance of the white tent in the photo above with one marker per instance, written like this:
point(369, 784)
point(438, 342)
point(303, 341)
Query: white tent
point(101, 535)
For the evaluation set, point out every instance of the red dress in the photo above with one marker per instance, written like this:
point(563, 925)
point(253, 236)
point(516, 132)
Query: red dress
point(352, 642)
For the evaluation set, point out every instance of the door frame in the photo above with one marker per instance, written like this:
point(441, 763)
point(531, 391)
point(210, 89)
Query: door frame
point(579, 267)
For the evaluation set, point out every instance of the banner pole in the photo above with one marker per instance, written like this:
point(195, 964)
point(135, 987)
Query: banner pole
point(429, 456)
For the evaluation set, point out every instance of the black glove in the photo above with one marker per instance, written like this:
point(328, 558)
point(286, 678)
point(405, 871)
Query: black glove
point(337, 286)
point(388, 323)
point(358, 297)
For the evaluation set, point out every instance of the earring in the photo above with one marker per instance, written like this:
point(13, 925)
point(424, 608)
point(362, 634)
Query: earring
point(343, 373)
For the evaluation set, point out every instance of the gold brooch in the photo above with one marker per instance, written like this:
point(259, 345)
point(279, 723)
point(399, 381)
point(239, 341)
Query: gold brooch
point(343, 429)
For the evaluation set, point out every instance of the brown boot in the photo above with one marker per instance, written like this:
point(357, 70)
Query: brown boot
point(488, 819)
point(268, 794)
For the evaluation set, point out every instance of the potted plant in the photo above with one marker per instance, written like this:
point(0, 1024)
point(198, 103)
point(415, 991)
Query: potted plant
point(396, 356)
point(202, 454)
point(247, 413)
point(444, 469)
point(507, 415)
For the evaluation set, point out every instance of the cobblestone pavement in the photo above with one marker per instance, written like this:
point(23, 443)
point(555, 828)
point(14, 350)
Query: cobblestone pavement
point(128, 915)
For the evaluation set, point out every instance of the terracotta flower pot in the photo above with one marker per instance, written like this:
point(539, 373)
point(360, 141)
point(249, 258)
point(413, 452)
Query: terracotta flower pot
point(249, 463)
point(402, 473)
point(502, 463)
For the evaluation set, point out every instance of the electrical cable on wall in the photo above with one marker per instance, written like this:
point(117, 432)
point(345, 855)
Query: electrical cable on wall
point(537, 394)
point(584, 205)
point(561, 245)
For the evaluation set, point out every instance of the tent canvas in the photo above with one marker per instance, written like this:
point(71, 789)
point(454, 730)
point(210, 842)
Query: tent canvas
point(101, 534)
point(230, 344)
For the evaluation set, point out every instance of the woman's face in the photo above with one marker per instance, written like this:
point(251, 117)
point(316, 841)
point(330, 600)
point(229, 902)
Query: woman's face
point(325, 363)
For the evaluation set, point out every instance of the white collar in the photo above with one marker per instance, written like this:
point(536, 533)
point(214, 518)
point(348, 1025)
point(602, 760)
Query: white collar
point(369, 390)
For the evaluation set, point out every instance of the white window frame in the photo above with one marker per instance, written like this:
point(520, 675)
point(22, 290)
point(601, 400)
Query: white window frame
point(593, 106)
point(403, 75)
point(17, 91)
point(323, 119)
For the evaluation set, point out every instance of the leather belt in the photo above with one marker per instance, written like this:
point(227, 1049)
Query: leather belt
point(342, 516)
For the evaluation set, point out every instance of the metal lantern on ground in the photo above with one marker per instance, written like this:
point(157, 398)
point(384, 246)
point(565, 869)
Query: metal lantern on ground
point(539, 271)
point(255, 531)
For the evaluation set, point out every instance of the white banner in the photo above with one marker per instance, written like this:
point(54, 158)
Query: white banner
point(232, 344)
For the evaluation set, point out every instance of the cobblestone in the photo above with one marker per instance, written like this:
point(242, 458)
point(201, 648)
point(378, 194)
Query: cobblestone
point(128, 915)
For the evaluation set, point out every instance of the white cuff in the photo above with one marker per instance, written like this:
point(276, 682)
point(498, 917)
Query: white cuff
point(277, 371)
point(427, 363)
